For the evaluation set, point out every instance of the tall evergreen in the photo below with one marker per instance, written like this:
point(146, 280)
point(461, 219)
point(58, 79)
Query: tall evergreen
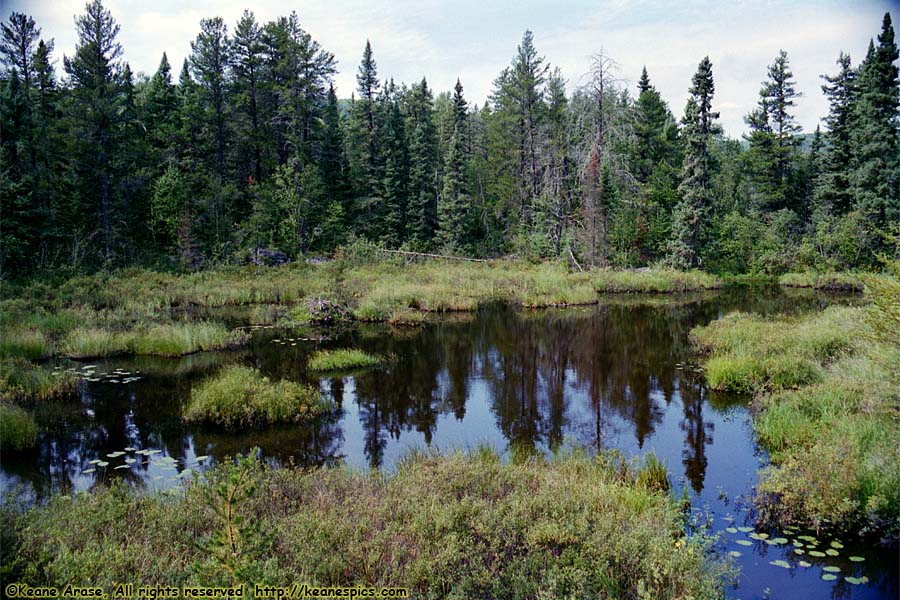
point(773, 143)
point(832, 185)
point(96, 110)
point(210, 54)
point(689, 218)
point(247, 74)
point(423, 158)
point(875, 178)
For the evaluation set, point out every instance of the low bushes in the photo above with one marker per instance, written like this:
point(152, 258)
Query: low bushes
point(442, 526)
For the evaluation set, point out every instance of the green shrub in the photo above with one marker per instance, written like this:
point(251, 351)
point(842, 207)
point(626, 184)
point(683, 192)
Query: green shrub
point(240, 396)
point(469, 523)
point(18, 430)
point(342, 359)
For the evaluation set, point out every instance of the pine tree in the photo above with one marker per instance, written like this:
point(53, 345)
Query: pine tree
point(875, 178)
point(832, 185)
point(396, 177)
point(247, 65)
point(423, 154)
point(17, 40)
point(688, 220)
point(210, 55)
point(453, 201)
point(161, 111)
point(97, 106)
point(773, 144)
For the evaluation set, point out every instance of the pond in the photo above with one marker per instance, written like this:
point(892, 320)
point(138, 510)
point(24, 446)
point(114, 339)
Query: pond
point(618, 375)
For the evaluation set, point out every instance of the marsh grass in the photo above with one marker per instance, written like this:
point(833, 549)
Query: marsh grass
point(826, 387)
point(469, 523)
point(342, 359)
point(240, 396)
point(164, 339)
point(179, 339)
point(18, 430)
point(844, 281)
point(24, 343)
point(22, 380)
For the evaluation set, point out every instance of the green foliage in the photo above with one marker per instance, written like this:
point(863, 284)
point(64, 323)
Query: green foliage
point(18, 430)
point(342, 359)
point(826, 388)
point(22, 380)
point(467, 522)
point(240, 396)
point(235, 552)
point(21, 342)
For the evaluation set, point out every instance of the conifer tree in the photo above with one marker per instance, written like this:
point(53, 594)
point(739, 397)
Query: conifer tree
point(688, 220)
point(832, 185)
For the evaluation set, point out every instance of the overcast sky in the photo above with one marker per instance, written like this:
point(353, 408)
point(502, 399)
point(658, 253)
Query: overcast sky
point(475, 39)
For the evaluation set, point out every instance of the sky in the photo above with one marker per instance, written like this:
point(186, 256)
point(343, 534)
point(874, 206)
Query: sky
point(473, 40)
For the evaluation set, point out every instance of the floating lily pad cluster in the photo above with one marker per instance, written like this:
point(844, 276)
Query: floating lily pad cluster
point(288, 341)
point(145, 457)
point(89, 373)
point(802, 545)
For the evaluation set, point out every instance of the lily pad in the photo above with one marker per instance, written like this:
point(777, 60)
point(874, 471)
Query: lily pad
point(204, 457)
point(836, 544)
point(745, 529)
point(816, 553)
point(129, 461)
point(734, 554)
point(855, 558)
point(781, 563)
point(95, 461)
point(853, 580)
point(130, 449)
point(102, 463)
point(728, 529)
point(803, 563)
point(797, 544)
point(745, 542)
point(828, 577)
point(121, 467)
point(779, 540)
point(808, 538)
point(88, 471)
point(831, 569)
point(798, 551)
point(832, 552)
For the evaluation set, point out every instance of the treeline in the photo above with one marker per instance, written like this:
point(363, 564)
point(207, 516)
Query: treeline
point(249, 147)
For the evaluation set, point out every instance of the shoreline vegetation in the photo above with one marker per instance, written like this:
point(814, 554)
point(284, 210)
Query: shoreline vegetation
point(489, 528)
point(825, 392)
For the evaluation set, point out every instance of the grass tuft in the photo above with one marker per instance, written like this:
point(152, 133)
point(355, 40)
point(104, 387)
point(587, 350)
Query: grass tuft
point(18, 430)
point(240, 396)
point(22, 380)
point(342, 359)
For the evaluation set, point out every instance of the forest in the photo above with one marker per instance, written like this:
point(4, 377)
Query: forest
point(247, 148)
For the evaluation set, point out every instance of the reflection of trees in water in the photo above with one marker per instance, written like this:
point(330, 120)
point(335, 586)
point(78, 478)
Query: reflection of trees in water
point(697, 433)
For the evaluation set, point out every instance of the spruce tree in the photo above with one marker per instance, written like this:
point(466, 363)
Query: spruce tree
point(832, 185)
point(247, 75)
point(210, 55)
point(875, 177)
point(96, 109)
point(689, 218)
point(773, 144)
point(423, 155)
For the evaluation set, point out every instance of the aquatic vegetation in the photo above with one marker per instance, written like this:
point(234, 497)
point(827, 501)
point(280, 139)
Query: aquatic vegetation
point(658, 281)
point(842, 281)
point(22, 380)
point(342, 359)
point(240, 396)
point(826, 386)
point(179, 339)
point(488, 527)
point(18, 430)
point(24, 343)
point(94, 342)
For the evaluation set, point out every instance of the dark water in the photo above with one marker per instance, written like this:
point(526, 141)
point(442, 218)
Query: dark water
point(619, 375)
